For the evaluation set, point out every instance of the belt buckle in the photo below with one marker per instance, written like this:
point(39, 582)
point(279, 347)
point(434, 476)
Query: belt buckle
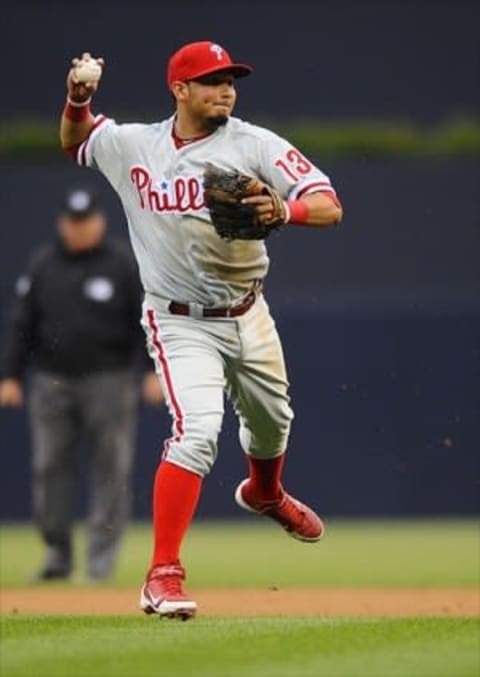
point(195, 310)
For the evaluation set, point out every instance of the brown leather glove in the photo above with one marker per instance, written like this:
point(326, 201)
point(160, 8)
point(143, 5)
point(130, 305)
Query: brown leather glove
point(223, 194)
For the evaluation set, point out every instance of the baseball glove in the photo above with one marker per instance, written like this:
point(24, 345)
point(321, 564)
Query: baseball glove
point(223, 193)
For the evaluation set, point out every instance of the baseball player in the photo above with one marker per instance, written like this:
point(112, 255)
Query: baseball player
point(208, 325)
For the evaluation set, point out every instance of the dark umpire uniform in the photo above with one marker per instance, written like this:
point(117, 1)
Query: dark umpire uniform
point(75, 321)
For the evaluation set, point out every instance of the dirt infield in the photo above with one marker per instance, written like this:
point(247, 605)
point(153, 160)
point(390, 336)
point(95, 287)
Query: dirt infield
point(241, 602)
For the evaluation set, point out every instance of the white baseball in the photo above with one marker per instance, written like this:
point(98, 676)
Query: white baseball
point(88, 71)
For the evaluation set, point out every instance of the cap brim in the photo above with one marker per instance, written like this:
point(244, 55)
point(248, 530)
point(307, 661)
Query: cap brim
point(238, 70)
point(241, 70)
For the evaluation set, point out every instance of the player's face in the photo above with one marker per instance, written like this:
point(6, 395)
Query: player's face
point(211, 98)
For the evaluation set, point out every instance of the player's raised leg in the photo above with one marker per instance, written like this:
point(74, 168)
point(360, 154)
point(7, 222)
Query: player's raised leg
point(259, 393)
point(298, 520)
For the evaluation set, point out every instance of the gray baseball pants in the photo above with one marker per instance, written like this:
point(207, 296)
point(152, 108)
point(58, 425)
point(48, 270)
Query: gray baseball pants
point(198, 360)
point(97, 413)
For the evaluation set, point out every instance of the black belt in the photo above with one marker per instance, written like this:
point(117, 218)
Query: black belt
point(233, 311)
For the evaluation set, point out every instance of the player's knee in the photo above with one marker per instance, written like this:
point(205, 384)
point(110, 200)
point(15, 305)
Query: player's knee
point(267, 440)
point(196, 448)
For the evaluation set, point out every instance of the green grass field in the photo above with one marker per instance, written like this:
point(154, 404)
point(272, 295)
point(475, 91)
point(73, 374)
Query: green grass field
point(250, 554)
point(254, 553)
point(225, 647)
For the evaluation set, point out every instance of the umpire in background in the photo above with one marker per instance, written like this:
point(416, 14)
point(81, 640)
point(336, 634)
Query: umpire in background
point(76, 322)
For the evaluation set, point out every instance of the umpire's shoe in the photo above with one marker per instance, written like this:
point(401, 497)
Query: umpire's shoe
point(58, 565)
point(48, 574)
point(163, 594)
point(297, 519)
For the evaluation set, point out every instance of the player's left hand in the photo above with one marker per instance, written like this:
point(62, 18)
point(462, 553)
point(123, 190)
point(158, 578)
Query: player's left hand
point(268, 209)
point(242, 207)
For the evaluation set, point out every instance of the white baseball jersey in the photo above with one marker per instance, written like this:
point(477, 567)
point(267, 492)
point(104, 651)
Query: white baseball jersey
point(179, 253)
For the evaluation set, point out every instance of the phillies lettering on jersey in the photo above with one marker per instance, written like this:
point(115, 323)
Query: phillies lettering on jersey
point(182, 194)
point(180, 256)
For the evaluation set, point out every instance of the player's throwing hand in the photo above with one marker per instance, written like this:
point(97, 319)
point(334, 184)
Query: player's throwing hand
point(84, 77)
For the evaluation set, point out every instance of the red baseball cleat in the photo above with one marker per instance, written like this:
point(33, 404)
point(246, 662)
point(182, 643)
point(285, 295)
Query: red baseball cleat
point(162, 593)
point(298, 520)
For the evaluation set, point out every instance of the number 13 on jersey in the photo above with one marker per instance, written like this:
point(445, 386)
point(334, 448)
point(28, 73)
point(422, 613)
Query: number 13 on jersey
point(294, 165)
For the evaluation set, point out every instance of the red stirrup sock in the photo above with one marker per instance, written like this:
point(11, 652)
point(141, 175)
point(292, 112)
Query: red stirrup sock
point(265, 476)
point(175, 496)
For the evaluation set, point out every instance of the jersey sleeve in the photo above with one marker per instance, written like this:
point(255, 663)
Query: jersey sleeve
point(102, 149)
point(286, 169)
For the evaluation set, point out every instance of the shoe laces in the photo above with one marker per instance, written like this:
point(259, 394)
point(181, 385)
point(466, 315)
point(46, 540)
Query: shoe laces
point(289, 510)
point(170, 576)
point(172, 585)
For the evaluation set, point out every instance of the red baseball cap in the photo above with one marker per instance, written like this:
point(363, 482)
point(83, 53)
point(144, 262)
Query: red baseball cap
point(202, 58)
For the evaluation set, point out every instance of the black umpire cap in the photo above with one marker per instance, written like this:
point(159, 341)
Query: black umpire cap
point(79, 203)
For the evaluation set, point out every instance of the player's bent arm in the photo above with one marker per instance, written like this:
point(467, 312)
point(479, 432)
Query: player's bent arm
point(317, 209)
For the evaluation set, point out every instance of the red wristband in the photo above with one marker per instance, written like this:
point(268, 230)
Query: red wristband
point(299, 211)
point(77, 112)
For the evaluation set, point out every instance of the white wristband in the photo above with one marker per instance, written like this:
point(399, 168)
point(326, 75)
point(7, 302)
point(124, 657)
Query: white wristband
point(287, 212)
point(79, 104)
